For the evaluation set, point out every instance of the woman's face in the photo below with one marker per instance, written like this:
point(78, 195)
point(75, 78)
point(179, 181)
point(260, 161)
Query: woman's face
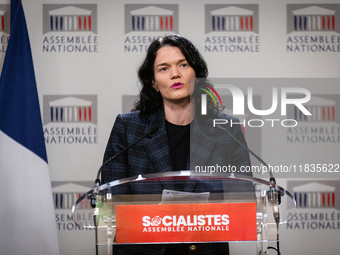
point(172, 75)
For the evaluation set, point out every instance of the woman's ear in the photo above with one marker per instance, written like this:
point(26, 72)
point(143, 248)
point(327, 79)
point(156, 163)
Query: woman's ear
point(154, 85)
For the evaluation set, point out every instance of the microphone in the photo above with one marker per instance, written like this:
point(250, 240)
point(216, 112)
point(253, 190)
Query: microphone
point(150, 132)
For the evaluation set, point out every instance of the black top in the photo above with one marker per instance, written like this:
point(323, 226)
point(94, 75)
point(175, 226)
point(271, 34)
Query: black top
point(179, 142)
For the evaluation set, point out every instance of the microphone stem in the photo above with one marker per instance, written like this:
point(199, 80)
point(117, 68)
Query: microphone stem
point(250, 151)
point(119, 153)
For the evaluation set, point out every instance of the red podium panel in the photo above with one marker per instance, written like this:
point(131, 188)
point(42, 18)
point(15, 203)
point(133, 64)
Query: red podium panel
point(186, 223)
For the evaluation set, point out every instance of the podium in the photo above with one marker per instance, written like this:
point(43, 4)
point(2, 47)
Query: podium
point(186, 207)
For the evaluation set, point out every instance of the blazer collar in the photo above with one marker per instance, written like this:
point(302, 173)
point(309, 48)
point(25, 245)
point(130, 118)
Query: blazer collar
point(158, 150)
point(157, 147)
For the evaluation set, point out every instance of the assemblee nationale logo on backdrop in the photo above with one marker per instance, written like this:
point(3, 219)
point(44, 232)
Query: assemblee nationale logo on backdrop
point(70, 119)
point(4, 26)
point(69, 28)
point(232, 28)
point(313, 28)
point(146, 22)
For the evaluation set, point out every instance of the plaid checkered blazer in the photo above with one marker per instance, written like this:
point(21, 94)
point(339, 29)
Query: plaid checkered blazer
point(209, 146)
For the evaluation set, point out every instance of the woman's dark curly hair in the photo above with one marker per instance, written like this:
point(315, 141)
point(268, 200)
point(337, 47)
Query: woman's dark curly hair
point(150, 100)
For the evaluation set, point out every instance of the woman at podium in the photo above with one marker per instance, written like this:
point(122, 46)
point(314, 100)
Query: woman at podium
point(171, 99)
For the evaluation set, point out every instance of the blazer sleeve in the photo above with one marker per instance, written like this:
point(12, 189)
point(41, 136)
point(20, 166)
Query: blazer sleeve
point(117, 168)
point(240, 156)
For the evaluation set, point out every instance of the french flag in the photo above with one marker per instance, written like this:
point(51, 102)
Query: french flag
point(27, 221)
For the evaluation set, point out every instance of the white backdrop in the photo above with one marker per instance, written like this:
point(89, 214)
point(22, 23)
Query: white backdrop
point(88, 67)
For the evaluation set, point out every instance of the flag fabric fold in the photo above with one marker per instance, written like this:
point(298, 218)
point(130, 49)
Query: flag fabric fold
point(27, 223)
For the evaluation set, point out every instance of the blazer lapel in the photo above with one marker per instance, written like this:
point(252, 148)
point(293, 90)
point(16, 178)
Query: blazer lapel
point(158, 148)
point(201, 147)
